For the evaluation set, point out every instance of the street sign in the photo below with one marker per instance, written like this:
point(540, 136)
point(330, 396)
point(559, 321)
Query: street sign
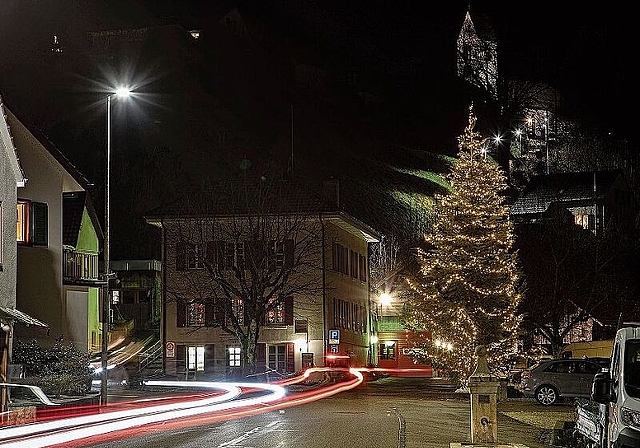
point(334, 337)
point(170, 349)
point(334, 348)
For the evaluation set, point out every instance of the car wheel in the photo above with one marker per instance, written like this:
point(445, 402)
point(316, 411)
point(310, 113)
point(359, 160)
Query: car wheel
point(546, 395)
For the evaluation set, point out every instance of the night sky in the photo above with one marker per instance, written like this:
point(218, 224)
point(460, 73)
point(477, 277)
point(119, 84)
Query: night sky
point(585, 51)
point(403, 49)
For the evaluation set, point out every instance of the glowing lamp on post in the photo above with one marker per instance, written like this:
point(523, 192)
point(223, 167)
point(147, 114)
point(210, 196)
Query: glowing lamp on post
point(121, 92)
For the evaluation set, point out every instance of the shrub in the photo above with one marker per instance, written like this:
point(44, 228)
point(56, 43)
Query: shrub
point(58, 370)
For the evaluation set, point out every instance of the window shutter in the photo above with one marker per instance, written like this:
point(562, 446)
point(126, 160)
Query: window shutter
point(290, 357)
point(209, 313)
point(181, 255)
point(210, 256)
point(219, 254)
point(245, 314)
point(345, 259)
point(209, 357)
point(218, 311)
point(255, 250)
point(288, 254)
point(288, 310)
point(261, 357)
point(334, 257)
point(181, 313)
point(40, 223)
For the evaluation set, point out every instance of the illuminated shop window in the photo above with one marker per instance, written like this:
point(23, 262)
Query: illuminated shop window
point(387, 350)
point(195, 357)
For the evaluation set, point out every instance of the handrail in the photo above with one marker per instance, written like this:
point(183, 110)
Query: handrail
point(149, 355)
point(36, 391)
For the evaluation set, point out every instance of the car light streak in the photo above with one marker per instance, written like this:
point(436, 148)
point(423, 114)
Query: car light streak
point(76, 431)
point(132, 416)
point(245, 409)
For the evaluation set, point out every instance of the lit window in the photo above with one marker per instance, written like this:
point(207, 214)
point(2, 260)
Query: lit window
point(32, 223)
point(23, 221)
point(276, 314)
point(195, 358)
point(233, 357)
point(238, 310)
point(582, 220)
point(195, 314)
point(277, 357)
point(387, 350)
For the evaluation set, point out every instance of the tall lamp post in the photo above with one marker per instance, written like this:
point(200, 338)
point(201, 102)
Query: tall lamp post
point(106, 301)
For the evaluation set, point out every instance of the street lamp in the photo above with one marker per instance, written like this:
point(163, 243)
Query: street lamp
point(518, 133)
point(121, 92)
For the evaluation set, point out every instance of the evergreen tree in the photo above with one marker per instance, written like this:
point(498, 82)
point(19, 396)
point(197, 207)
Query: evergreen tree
point(467, 289)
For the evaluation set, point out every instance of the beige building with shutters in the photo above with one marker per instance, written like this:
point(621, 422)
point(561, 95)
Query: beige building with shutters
point(294, 334)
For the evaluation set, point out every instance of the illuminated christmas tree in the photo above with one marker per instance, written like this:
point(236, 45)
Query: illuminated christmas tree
point(467, 290)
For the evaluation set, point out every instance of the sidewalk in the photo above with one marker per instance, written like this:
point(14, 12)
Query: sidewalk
point(435, 416)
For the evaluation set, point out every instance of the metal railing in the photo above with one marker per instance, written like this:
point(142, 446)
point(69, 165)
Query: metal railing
point(79, 266)
point(149, 355)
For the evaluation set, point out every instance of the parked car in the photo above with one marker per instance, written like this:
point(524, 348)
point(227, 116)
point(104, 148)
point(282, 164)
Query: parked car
point(551, 380)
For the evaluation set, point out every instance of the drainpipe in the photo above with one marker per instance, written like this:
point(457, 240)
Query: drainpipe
point(324, 296)
point(163, 299)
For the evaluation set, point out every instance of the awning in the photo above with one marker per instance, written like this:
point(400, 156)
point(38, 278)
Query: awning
point(16, 315)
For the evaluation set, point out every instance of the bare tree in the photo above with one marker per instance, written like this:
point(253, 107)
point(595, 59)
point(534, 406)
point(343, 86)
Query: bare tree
point(572, 275)
point(244, 250)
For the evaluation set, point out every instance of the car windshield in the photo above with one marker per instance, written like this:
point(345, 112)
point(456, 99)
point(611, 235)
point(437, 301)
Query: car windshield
point(632, 368)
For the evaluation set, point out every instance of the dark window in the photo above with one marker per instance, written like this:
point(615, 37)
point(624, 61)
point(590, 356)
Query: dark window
point(588, 367)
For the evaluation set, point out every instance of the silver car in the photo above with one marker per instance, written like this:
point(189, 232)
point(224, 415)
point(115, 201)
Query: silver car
point(567, 378)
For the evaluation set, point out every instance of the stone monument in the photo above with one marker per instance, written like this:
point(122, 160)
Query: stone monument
point(484, 393)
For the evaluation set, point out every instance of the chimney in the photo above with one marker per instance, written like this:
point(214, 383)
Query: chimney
point(331, 192)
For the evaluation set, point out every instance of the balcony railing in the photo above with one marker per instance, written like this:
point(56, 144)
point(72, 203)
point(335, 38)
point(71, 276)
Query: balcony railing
point(79, 267)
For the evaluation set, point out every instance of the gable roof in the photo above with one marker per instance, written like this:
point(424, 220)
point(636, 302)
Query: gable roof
point(12, 155)
point(274, 197)
point(543, 190)
point(51, 148)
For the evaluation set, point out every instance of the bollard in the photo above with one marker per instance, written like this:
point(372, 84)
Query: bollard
point(484, 408)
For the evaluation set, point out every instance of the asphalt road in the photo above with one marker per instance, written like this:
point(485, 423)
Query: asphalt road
point(389, 413)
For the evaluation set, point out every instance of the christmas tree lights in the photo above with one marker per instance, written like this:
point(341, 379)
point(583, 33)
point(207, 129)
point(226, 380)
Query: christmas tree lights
point(467, 290)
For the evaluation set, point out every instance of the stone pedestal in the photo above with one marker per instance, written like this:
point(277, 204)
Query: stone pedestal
point(484, 409)
point(484, 401)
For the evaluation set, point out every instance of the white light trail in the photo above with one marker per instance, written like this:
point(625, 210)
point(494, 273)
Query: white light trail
point(67, 430)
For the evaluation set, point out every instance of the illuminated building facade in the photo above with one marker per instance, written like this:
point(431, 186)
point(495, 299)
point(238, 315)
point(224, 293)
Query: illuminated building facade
point(323, 320)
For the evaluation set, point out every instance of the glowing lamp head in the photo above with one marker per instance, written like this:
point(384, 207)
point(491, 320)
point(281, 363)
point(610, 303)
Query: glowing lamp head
point(123, 92)
point(386, 299)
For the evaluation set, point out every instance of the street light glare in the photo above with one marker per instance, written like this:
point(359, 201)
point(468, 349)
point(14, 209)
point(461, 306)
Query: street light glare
point(123, 92)
point(385, 299)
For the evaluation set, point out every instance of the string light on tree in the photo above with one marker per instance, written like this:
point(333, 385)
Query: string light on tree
point(468, 285)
